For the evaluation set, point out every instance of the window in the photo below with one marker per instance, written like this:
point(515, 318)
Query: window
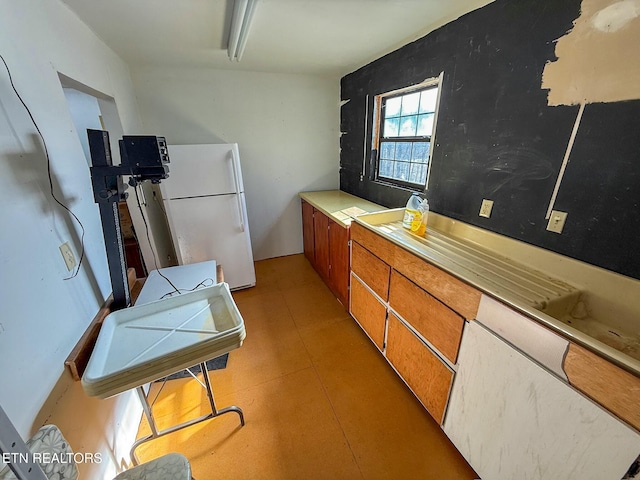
point(404, 131)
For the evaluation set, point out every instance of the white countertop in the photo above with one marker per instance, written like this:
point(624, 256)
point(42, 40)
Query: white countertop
point(340, 206)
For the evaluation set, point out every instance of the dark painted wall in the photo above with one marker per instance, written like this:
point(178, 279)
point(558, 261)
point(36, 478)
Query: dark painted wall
point(496, 137)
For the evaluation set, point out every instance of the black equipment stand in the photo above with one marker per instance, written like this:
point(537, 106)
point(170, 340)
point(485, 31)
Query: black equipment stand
point(143, 158)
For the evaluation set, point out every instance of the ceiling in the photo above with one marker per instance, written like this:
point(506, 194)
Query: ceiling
point(324, 37)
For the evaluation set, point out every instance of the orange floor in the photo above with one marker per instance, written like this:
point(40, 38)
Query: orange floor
point(320, 401)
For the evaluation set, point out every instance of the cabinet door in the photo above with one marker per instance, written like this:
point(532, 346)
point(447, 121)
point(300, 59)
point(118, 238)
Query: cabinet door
point(339, 261)
point(368, 312)
point(321, 242)
point(426, 375)
point(459, 296)
point(307, 231)
point(373, 271)
point(380, 247)
point(510, 418)
point(438, 324)
point(609, 385)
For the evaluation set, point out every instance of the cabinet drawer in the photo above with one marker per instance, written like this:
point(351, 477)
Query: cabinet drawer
point(380, 247)
point(615, 389)
point(439, 325)
point(373, 271)
point(459, 296)
point(368, 312)
point(428, 378)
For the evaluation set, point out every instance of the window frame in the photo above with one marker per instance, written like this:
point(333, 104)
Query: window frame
point(378, 123)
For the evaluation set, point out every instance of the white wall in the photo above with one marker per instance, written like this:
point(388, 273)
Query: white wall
point(41, 314)
point(85, 113)
point(286, 126)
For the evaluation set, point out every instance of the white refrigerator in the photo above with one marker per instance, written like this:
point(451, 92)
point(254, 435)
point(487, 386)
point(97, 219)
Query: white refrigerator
point(205, 205)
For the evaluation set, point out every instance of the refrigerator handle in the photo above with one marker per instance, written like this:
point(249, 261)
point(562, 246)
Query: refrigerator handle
point(235, 178)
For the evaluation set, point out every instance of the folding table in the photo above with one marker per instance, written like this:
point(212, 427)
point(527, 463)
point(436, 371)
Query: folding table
point(164, 333)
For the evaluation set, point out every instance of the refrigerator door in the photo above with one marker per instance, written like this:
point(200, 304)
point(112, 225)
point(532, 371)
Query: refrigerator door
point(200, 170)
point(214, 228)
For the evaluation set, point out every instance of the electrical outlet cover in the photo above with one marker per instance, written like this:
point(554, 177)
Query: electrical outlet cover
point(67, 255)
point(485, 209)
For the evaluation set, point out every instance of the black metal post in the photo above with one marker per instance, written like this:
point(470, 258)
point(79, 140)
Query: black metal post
point(108, 190)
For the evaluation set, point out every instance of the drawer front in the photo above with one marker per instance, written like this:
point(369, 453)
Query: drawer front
point(439, 325)
point(615, 389)
point(459, 296)
point(380, 247)
point(422, 370)
point(368, 312)
point(373, 271)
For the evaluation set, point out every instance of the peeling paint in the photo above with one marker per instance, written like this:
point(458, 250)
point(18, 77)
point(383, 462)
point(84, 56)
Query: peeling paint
point(597, 60)
point(616, 16)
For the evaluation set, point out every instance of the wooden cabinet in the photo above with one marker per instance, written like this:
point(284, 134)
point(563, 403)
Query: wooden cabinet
point(339, 261)
point(459, 296)
point(321, 243)
point(369, 312)
point(326, 246)
point(426, 375)
point(307, 231)
point(615, 389)
point(500, 397)
point(437, 323)
point(373, 271)
point(422, 332)
point(380, 247)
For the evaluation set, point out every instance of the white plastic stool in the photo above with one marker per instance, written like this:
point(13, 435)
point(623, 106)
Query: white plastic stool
point(172, 466)
point(49, 439)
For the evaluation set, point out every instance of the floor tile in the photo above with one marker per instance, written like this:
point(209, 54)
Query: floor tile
point(389, 431)
point(291, 432)
point(311, 306)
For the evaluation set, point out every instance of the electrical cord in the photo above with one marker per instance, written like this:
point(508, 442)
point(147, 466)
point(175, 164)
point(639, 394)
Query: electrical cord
point(49, 174)
point(179, 291)
point(203, 283)
point(146, 227)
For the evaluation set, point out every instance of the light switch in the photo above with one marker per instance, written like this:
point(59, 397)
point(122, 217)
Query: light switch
point(556, 221)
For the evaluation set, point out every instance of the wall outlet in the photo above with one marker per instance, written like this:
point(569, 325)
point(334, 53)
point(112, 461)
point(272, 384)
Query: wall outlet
point(67, 255)
point(556, 221)
point(485, 208)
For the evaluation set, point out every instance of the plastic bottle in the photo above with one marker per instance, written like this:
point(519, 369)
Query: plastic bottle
point(415, 215)
point(412, 211)
point(424, 210)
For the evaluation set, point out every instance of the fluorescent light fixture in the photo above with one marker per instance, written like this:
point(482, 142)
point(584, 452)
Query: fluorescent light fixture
point(240, 24)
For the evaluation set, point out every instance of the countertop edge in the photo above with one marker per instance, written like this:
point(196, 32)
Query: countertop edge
point(344, 219)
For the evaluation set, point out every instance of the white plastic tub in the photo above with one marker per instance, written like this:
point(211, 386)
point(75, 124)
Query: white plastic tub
point(143, 343)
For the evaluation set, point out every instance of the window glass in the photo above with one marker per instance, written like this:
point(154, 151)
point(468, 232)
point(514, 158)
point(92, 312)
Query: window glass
point(410, 103)
point(405, 129)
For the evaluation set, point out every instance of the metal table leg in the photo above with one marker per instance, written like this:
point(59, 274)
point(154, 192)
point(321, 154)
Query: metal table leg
point(155, 433)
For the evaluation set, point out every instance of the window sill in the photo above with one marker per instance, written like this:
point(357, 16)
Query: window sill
point(399, 187)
